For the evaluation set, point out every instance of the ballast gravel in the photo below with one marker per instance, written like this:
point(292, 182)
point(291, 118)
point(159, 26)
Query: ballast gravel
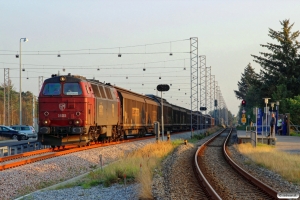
point(27, 178)
point(32, 177)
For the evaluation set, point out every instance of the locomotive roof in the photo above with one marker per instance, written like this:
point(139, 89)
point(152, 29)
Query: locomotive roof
point(69, 78)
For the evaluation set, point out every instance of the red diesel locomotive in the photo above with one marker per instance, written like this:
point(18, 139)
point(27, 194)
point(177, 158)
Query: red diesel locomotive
point(76, 110)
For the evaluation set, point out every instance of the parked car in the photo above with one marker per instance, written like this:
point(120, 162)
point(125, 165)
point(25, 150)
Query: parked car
point(8, 132)
point(27, 130)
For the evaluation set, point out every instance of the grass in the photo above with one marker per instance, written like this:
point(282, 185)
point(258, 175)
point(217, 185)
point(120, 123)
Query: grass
point(138, 166)
point(294, 133)
point(285, 164)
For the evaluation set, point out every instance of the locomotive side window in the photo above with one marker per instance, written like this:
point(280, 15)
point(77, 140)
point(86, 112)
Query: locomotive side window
point(72, 89)
point(102, 92)
point(52, 89)
point(108, 93)
point(87, 89)
point(96, 90)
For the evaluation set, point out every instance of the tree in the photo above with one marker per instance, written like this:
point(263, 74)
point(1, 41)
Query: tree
point(292, 106)
point(249, 78)
point(248, 89)
point(281, 65)
point(14, 106)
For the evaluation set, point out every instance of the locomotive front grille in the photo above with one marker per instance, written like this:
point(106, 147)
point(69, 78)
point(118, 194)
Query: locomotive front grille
point(62, 129)
point(45, 130)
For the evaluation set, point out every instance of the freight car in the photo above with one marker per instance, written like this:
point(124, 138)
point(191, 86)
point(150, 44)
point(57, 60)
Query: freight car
point(76, 110)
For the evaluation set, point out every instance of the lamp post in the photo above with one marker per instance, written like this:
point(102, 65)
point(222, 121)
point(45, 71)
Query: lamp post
point(24, 40)
point(277, 115)
point(266, 102)
point(272, 106)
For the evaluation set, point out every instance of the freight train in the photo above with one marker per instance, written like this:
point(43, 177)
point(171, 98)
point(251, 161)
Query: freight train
point(76, 110)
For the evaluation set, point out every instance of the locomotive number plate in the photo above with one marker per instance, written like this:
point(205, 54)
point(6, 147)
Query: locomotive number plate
point(62, 115)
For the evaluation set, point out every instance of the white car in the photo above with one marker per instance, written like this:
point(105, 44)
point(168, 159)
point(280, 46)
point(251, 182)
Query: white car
point(27, 130)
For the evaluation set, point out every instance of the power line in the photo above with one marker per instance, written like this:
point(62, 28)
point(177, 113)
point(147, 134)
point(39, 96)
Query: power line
point(101, 65)
point(122, 47)
point(111, 53)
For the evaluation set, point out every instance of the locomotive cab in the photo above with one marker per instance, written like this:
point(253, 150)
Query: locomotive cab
point(65, 111)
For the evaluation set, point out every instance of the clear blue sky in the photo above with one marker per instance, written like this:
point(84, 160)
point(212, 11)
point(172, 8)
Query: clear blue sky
point(228, 33)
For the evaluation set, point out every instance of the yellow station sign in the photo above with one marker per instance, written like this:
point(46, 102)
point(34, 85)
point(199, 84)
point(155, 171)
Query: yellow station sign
point(243, 120)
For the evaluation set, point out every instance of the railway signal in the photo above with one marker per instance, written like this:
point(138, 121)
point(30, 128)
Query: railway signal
point(216, 102)
point(163, 87)
point(203, 108)
point(244, 103)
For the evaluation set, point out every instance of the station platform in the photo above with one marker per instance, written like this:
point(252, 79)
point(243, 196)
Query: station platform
point(289, 144)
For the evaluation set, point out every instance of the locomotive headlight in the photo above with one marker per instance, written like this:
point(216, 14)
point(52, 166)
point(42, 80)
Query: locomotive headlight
point(46, 122)
point(62, 78)
point(77, 122)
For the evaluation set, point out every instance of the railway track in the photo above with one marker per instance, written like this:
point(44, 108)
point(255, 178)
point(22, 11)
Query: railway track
point(222, 178)
point(13, 161)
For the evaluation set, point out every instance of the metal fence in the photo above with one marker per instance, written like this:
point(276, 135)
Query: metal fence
point(21, 148)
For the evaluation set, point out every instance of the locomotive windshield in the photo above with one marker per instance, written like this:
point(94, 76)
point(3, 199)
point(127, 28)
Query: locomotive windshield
point(72, 89)
point(52, 89)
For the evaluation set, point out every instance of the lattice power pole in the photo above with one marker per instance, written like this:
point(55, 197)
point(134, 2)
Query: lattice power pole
point(202, 67)
point(218, 107)
point(212, 93)
point(207, 87)
point(6, 97)
point(216, 101)
point(194, 81)
point(221, 108)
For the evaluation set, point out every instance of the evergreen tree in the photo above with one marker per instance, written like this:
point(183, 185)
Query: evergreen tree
point(281, 65)
point(248, 79)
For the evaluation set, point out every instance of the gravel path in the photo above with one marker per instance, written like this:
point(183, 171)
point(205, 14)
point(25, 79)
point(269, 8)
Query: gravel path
point(31, 177)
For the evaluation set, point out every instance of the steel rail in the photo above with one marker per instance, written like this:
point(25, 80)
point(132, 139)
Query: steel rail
point(22, 155)
point(60, 152)
point(63, 152)
point(203, 181)
point(245, 174)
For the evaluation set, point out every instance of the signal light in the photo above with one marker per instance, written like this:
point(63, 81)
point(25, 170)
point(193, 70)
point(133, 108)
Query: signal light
point(244, 103)
point(216, 102)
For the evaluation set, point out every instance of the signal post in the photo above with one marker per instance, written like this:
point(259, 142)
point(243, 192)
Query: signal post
point(243, 119)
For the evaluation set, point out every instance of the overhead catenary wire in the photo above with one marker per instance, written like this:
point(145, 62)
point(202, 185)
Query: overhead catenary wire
point(100, 48)
point(97, 65)
point(136, 68)
point(97, 53)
